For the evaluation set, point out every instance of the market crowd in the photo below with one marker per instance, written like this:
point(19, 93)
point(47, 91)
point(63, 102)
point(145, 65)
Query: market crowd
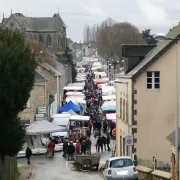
point(95, 126)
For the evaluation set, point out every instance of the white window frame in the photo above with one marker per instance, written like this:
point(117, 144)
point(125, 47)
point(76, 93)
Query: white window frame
point(153, 80)
point(28, 104)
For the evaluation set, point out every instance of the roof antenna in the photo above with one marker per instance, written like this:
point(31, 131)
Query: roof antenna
point(3, 15)
point(11, 11)
point(26, 11)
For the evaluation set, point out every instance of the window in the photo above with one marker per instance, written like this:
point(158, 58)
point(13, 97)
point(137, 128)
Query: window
point(153, 80)
point(120, 107)
point(120, 163)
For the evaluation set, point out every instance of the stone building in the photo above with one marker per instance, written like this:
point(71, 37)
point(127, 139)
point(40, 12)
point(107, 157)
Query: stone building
point(38, 97)
point(51, 31)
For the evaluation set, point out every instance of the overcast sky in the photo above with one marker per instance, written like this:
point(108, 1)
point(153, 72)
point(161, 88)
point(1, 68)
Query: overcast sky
point(159, 15)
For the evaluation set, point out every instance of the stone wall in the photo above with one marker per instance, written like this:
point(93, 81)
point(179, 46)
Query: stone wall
point(51, 79)
point(38, 97)
point(150, 174)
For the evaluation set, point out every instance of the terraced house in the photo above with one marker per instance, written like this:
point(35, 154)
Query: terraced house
point(51, 31)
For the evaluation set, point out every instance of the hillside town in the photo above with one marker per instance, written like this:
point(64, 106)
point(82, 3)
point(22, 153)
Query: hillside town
point(106, 107)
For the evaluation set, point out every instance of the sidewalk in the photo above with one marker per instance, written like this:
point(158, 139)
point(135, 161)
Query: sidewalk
point(25, 171)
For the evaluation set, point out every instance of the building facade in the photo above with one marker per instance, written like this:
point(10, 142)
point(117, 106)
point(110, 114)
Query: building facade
point(51, 31)
point(38, 97)
point(153, 93)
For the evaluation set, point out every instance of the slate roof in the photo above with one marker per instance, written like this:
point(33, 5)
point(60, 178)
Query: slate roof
point(152, 56)
point(174, 32)
point(38, 24)
point(3, 21)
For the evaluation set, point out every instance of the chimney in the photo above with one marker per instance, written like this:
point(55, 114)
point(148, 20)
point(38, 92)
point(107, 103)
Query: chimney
point(11, 11)
point(134, 54)
point(3, 15)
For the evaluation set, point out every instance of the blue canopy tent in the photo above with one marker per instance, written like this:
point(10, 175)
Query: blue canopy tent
point(69, 106)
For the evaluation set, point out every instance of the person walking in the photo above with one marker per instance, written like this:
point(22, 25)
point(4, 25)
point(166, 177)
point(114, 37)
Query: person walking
point(83, 147)
point(90, 125)
point(65, 147)
point(88, 146)
point(28, 154)
point(108, 142)
point(100, 144)
point(71, 151)
point(78, 147)
point(104, 141)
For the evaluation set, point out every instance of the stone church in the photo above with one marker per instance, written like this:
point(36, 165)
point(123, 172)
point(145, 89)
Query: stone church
point(51, 31)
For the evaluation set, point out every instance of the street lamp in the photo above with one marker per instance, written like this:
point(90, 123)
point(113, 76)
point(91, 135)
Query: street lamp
point(160, 37)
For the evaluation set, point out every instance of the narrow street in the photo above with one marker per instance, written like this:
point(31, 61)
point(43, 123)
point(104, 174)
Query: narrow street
point(60, 169)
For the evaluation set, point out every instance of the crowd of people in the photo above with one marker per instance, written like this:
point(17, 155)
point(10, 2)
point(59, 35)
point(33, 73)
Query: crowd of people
point(94, 101)
point(96, 125)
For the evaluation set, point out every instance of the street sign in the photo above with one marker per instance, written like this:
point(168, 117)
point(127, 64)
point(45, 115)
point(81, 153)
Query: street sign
point(129, 140)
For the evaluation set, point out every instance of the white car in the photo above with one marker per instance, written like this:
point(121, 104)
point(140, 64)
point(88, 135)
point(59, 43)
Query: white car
point(120, 168)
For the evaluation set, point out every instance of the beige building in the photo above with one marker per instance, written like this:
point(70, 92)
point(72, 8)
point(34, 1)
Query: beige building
point(151, 96)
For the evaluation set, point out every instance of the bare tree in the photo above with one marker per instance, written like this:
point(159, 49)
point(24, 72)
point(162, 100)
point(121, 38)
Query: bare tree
point(90, 33)
point(112, 35)
point(87, 34)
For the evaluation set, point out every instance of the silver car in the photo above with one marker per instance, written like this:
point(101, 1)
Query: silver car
point(120, 168)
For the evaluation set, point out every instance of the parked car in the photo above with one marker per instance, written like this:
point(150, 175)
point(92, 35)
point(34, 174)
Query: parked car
point(120, 168)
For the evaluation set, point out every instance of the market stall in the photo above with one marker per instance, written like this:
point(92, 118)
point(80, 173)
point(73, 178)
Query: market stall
point(109, 106)
point(37, 134)
point(108, 90)
point(101, 80)
point(109, 97)
point(74, 88)
point(78, 126)
point(61, 120)
point(70, 105)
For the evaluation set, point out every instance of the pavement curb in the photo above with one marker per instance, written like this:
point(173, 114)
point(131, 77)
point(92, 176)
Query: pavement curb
point(26, 173)
point(30, 173)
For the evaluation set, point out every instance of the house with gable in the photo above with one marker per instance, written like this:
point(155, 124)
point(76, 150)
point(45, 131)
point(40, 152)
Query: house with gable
point(148, 86)
point(38, 97)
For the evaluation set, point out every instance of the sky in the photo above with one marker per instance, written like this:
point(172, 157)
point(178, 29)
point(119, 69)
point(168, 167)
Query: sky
point(159, 15)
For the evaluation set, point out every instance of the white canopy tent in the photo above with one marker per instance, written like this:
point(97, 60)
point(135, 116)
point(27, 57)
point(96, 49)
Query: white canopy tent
point(60, 134)
point(43, 127)
point(71, 112)
point(75, 94)
point(76, 100)
point(73, 88)
point(77, 84)
point(79, 118)
point(63, 115)
point(109, 97)
point(64, 122)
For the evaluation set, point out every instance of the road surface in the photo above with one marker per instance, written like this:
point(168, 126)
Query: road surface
point(59, 169)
